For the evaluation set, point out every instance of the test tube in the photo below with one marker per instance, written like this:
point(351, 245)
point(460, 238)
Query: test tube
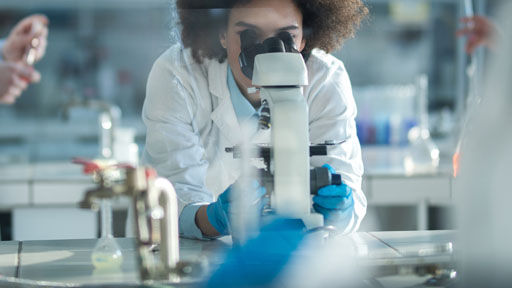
point(31, 53)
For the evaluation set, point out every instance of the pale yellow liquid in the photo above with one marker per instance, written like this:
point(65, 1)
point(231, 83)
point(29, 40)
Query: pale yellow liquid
point(102, 260)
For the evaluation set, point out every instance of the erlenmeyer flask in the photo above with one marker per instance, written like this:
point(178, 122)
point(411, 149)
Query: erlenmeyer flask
point(423, 154)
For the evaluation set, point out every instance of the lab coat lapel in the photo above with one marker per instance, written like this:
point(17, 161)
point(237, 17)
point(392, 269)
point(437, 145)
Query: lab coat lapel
point(223, 115)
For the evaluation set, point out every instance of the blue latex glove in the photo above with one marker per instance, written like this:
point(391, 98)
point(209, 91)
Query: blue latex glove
point(220, 211)
point(260, 261)
point(335, 202)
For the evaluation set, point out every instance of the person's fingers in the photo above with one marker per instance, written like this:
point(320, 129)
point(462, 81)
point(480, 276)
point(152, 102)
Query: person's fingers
point(330, 168)
point(330, 203)
point(335, 190)
point(22, 41)
point(321, 210)
point(470, 47)
point(480, 20)
point(42, 43)
point(14, 91)
point(467, 19)
point(330, 190)
point(25, 25)
point(10, 95)
point(38, 36)
point(473, 19)
point(19, 83)
point(34, 39)
point(473, 42)
point(464, 31)
point(36, 76)
point(333, 203)
point(7, 99)
point(39, 30)
point(26, 73)
point(40, 51)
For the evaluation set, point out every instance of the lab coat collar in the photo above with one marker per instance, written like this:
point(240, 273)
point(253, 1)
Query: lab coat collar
point(223, 115)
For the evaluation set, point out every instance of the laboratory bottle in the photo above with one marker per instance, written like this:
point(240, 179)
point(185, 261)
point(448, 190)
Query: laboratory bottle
point(125, 149)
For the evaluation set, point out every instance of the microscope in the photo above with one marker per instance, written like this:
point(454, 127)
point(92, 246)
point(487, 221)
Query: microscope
point(279, 70)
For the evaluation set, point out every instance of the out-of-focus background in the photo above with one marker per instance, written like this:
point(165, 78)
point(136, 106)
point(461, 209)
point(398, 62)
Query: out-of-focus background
point(406, 66)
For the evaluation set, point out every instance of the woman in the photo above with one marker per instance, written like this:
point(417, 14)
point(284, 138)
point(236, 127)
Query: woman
point(197, 98)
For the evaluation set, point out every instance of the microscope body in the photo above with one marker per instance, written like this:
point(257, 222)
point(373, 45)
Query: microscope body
point(281, 77)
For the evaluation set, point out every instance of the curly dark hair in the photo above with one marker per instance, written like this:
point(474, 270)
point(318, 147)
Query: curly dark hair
point(326, 24)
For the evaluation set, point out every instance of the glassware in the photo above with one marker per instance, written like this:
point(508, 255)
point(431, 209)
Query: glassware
point(106, 253)
point(423, 154)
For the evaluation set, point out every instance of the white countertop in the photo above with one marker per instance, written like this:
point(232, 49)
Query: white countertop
point(68, 262)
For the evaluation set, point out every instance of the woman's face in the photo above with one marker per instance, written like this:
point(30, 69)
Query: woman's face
point(267, 18)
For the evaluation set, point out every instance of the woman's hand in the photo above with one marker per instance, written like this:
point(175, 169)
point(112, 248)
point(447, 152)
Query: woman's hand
point(30, 32)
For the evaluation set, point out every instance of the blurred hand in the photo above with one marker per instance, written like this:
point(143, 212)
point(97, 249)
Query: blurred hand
point(221, 211)
point(21, 36)
point(479, 30)
point(14, 79)
point(259, 262)
point(335, 202)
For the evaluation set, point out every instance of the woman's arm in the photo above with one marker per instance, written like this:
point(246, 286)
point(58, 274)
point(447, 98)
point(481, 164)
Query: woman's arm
point(173, 144)
point(332, 112)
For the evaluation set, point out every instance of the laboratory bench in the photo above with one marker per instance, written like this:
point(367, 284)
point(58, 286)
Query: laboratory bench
point(387, 183)
point(387, 258)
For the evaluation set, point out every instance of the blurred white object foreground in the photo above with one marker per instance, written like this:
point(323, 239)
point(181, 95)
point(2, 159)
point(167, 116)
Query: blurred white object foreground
point(483, 188)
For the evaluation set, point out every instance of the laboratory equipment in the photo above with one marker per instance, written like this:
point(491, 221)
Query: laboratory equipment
point(109, 119)
point(423, 154)
point(335, 202)
point(280, 71)
point(156, 215)
point(106, 254)
point(31, 53)
point(125, 148)
point(319, 176)
point(386, 113)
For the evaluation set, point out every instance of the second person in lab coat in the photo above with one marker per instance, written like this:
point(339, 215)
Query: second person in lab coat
point(197, 99)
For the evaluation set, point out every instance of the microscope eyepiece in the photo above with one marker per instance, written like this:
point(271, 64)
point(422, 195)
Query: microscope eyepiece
point(288, 42)
point(250, 47)
point(273, 44)
point(248, 37)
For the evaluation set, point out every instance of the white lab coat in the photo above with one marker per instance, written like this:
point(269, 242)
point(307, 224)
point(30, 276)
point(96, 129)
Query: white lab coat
point(190, 121)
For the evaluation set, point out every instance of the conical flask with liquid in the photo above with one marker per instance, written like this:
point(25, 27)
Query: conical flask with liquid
point(106, 253)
